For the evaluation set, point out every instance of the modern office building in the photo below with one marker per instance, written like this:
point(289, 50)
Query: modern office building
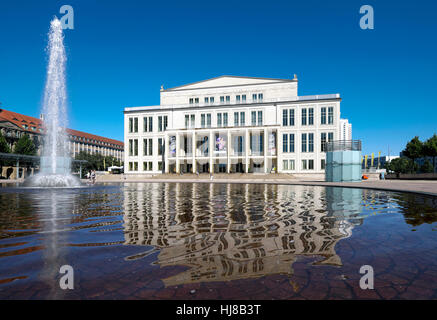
point(232, 124)
point(13, 125)
point(345, 130)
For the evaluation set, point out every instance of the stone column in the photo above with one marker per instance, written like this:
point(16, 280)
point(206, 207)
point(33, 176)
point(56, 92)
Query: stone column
point(194, 152)
point(228, 153)
point(177, 153)
point(211, 151)
point(166, 145)
point(266, 147)
point(247, 147)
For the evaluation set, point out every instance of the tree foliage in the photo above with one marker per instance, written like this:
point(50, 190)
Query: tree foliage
point(96, 162)
point(414, 148)
point(4, 146)
point(430, 149)
point(402, 165)
point(427, 167)
point(25, 146)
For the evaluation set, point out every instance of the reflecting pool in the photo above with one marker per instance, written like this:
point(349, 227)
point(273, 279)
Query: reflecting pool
point(216, 241)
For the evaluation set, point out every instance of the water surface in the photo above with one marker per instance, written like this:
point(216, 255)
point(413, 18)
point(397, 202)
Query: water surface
point(216, 241)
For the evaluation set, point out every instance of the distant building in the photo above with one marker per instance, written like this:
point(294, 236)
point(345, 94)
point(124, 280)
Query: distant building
point(378, 162)
point(232, 124)
point(14, 125)
point(345, 129)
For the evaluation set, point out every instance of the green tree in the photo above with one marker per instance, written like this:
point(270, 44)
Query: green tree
point(402, 165)
point(427, 167)
point(413, 150)
point(25, 146)
point(4, 146)
point(430, 149)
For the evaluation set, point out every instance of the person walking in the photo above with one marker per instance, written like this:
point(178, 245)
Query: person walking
point(93, 177)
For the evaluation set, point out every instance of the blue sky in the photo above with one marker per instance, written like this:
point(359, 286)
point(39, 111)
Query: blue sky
point(120, 52)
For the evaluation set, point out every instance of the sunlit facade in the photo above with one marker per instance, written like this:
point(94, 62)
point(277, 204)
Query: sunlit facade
point(232, 124)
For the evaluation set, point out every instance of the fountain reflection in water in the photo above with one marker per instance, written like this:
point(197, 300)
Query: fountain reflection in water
point(55, 161)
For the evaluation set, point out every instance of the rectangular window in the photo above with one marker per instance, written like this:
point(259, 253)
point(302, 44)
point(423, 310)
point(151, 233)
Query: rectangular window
point(304, 117)
point(304, 142)
point(219, 119)
point(243, 98)
point(160, 165)
point(160, 123)
point(237, 98)
point(211, 100)
point(260, 118)
point(206, 100)
point(260, 97)
point(145, 123)
point(285, 165)
point(208, 120)
point(135, 166)
point(160, 146)
point(135, 147)
point(222, 99)
point(187, 120)
point(291, 142)
point(150, 147)
point(330, 115)
point(285, 143)
point(135, 124)
point(228, 99)
point(146, 149)
point(323, 116)
point(291, 164)
point(165, 122)
point(323, 141)
point(304, 165)
point(254, 97)
point(285, 117)
point(323, 164)
point(242, 118)
point(291, 117)
point(191, 100)
point(193, 121)
point(225, 119)
point(196, 100)
point(310, 164)
point(253, 118)
point(131, 147)
point(131, 124)
point(330, 136)
point(236, 119)
point(310, 116)
point(202, 120)
point(150, 166)
point(310, 142)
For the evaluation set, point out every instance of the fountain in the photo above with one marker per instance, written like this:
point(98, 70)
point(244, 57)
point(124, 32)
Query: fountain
point(55, 166)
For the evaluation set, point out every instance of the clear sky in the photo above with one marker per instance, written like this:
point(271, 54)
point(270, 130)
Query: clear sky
point(120, 52)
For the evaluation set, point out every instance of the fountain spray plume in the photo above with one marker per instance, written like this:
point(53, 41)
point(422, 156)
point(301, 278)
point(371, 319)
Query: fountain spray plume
point(55, 161)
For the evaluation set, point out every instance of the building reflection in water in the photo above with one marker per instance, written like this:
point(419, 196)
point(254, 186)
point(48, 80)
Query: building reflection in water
point(234, 231)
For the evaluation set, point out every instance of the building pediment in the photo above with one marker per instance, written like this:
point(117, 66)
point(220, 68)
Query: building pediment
point(227, 81)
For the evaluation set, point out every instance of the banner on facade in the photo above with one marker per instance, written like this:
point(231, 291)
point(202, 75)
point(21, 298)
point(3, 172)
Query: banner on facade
point(172, 146)
point(272, 143)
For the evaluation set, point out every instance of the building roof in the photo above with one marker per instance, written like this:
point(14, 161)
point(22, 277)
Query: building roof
point(226, 80)
point(20, 120)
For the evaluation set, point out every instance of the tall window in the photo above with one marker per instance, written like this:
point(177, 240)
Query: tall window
point(148, 147)
point(260, 97)
point(323, 164)
point(253, 113)
point(310, 142)
point(193, 121)
point(323, 116)
point(219, 119)
point(147, 123)
point(131, 124)
point(222, 99)
point(162, 123)
point(291, 142)
point(191, 100)
point(236, 121)
point(228, 99)
point(304, 116)
point(323, 141)
point(159, 123)
point(187, 121)
point(330, 136)
point(196, 100)
point(242, 118)
point(304, 142)
point(330, 115)
point(208, 120)
point(260, 118)
point(237, 98)
point(165, 122)
point(202, 120)
point(243, 98)
point(304, 165)
point(310, 116)
point(160, 146)
point(225, 119)
point(285, 165)
point(285, 143)
point(285, 117)
point(206, 99)
point(211, 100)
point(311, 164)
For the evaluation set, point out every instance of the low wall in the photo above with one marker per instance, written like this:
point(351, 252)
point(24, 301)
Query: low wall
point(412, 176)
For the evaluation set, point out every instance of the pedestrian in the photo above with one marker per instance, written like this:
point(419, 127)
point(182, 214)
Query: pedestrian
point(93, 176)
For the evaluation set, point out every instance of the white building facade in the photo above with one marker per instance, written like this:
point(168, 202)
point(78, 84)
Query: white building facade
point(232, 124)
point(345, 130)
